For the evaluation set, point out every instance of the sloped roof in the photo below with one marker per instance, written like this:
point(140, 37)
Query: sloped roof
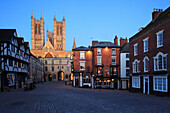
point(104, 44)
point(125, 48)
point(6, 34)
point(81, 48)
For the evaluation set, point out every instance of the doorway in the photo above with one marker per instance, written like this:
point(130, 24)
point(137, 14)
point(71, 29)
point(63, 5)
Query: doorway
point(60, 75)
point(146, 85)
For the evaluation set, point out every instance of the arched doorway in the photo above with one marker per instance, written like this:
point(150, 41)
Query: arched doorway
point(60, 75)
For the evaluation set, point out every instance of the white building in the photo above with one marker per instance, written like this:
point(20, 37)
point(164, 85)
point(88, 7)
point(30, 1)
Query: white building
point(124, 67)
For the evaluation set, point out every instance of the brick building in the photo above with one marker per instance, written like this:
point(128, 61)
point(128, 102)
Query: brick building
point(149, 50)
point(82, 66)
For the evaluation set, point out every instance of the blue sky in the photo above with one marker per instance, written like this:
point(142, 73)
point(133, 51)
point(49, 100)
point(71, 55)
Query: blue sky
point(85, 19)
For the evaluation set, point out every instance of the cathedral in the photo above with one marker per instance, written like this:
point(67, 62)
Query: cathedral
point(52, 53)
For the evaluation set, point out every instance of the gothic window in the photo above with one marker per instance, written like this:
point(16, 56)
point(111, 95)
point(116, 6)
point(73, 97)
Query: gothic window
point(35, 28)
point(136, 66)
point(39, 29)
point(60, 30)
point(160, 62)
point(146, 64)
point(57, 30)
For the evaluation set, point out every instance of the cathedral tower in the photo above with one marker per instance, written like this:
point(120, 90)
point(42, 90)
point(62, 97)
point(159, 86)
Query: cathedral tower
point(59, 34)
point(37, 29)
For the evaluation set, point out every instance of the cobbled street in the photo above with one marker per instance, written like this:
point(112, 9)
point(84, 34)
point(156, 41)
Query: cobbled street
point(56, 97)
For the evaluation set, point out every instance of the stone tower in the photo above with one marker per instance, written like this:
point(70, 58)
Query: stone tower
point(59, 34)
point(37, 28)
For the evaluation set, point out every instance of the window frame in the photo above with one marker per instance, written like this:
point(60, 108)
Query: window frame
point(156, 62)
point(99, 51)
point(135, 52)
point(114, 58)
point(144, 62)
point(135, 85)
point(157, 35)
point(100, 60)
point(114, 52)
point(136, 68)
point(84, 64)
point(160, 77)
point(144, 44)
point(82, 52)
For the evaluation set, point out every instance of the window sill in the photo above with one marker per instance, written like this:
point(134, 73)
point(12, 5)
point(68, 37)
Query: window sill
point(160, 90)
point(159, 46)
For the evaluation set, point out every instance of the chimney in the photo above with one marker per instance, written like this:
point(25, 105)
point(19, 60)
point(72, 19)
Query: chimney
point(94, 42)
point(123, 41)
point(89, 46)
point(156, 13)
point(115, 40)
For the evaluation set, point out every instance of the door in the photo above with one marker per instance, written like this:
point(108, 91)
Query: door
point(146, 85)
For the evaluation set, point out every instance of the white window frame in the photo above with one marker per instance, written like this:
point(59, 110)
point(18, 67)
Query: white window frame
point(84, 64)
point(144, 66)
point(144, 46)
point(99, 51)
point(115, 60)
point(100, 60)
point(134, 66)
point(158, 38)
point(160, 77)
point(82, 52)
point(114, 52)
point(156, 64)
point(134, 82)
point(135, 47)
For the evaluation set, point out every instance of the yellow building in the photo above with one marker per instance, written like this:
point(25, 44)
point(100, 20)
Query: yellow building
point(53, 49)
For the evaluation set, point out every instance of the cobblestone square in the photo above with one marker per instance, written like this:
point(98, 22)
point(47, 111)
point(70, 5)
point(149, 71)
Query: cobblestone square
point(56, 97)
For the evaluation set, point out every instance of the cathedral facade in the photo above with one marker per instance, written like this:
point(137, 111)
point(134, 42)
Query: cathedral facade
point(53, 49)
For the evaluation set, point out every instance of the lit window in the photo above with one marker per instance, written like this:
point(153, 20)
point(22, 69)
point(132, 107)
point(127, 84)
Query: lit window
point(160, 62)
point(160, 83)
point(82, 65)
point(99, 60)
point(82, 55)
point(136, 66)
point(98, 51)
point(135, 49)
point(113, 51)
point(159, 38)
point(136, 82)
point(145, 45)
point(113, 60)
point(146, 64)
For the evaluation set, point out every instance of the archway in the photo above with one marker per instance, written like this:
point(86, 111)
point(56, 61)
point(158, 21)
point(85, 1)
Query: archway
point(48, 55)
point(49, 77)
point(60, 75)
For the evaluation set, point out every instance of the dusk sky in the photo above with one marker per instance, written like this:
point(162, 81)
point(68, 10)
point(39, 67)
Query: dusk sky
point(85, 19)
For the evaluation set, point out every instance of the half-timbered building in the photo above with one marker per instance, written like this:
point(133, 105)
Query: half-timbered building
point(14, 59)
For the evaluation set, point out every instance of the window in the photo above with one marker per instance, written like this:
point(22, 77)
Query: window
point(46, 49)
point(160, 62)
point(99, 60)
point(13, 48)
point(127, 55)
point(146, 64)
point(145, 44)
point(135, 49)
point(19, 64)
point(50, 49)
point(159, 38)
point(136, 66)
point(82, 65)
point(99, 71)
point(98, 51)
point(127, 72)
point(113, 60)
point(45, 61)
point(46, 68)
point(113, 51)
point(127, 63)
point(10, 62)
point(52, 68)
point(86, 78)
point(136, 82)
point(160, 83)
point(11, 79)
point(82, 54)
point(52, 61)
point(113, 71)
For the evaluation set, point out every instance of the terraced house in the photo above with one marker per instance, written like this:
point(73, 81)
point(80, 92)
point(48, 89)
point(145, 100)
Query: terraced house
point(14, 59)
point(149, 56)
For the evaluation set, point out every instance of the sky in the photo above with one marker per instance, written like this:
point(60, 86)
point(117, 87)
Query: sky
point(86, 20)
